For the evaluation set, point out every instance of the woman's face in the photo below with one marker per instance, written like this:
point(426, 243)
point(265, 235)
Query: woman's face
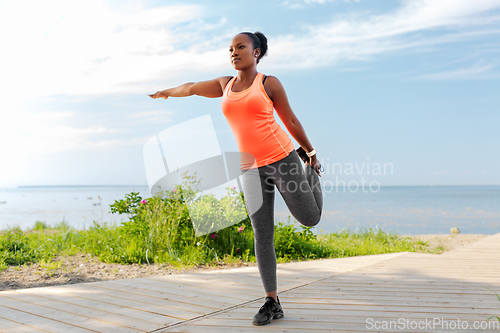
point(241, 52)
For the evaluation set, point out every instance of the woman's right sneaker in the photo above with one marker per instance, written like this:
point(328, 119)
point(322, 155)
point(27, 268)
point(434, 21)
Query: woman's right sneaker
point(269, 311)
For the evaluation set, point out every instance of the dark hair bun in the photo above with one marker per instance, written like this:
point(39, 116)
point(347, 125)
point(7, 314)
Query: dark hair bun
point(263, 44)
point(259, 41)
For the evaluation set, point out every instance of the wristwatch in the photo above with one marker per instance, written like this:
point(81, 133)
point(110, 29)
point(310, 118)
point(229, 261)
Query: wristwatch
point(311, 153)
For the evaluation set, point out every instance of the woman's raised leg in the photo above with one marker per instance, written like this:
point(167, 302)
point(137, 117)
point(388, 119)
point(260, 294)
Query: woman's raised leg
point(300, 189)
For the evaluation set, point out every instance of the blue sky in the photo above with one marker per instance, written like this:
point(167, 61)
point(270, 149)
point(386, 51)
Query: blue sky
point(413, 84)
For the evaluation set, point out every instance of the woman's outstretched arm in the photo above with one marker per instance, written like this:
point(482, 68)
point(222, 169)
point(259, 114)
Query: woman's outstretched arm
point(277, 93)
point(211, 88)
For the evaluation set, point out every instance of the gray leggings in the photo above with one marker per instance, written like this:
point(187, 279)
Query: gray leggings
point(301, 191)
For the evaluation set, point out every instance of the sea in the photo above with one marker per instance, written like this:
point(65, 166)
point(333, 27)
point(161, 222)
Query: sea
point(403, 210)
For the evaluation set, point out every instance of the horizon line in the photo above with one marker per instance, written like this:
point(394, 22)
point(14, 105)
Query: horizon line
point(147, 186)
point(31, 186)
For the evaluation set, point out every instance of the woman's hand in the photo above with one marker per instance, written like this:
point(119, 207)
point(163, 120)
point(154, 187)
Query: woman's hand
point(313, 161)
point(158, 94)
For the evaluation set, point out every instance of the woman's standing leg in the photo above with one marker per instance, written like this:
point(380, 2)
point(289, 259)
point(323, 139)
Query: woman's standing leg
point(258, 189)
point(259, 198)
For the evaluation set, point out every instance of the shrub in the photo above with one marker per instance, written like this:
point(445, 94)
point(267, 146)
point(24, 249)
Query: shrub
point(15, 249)
point(163, 227)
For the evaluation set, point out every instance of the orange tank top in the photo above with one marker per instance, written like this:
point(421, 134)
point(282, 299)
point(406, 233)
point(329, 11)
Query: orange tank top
point(251, 118)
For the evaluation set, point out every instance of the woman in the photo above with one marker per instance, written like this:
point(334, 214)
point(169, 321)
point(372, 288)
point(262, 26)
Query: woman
point(247, 103)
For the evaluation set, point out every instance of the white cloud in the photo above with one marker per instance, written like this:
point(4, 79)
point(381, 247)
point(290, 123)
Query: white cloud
point(27, 134)
point(50, 132)
point(359, 36)
point(67, 47)
point(61, 47)
point(299, 4)
point(73, 48)
point(462, 73)
point(155, 116)
point(351, 69)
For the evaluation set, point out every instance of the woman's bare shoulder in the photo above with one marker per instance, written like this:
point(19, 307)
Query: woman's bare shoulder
point(224, 80)
point(272, 84)
point(272, 81)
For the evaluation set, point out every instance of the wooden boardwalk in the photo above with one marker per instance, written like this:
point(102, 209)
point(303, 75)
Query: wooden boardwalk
point(413, 292)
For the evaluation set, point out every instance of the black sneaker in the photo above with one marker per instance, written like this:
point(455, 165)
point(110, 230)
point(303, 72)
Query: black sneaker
point(269, 311)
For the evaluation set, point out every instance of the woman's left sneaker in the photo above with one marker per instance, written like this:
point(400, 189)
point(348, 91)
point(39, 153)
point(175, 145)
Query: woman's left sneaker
point(269, 311)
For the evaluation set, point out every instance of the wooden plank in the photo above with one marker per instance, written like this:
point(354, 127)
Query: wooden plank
point(237, 277)
point(435, 261)
point(305, 325)
point(436, 266)
point(176, 309)
point(437, 295)
point(196, 303)
point(61, 316)
point(333, 287)
point(375, 289)
point(56, 311)
point(8, 326)
point(232, 293)
point(436, 270)
point(362, 278)
point(109, 304)
point(205, 277)
point(228, 284)
point(318, 314)
point(393, 295)
point(410, 265)
point(37, 323)
point(422, 278)
point(387, 302)
point(413, 279)
point(217, 283)
point(280, 325)
point(397, 309)
point(424, 287)
point(186, 290)
point(86, 310)
point(243, 329)
point(286, 277)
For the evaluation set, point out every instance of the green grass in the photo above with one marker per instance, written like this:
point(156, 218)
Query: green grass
point(160, 231)
point(113, 244)
point(497, 317)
